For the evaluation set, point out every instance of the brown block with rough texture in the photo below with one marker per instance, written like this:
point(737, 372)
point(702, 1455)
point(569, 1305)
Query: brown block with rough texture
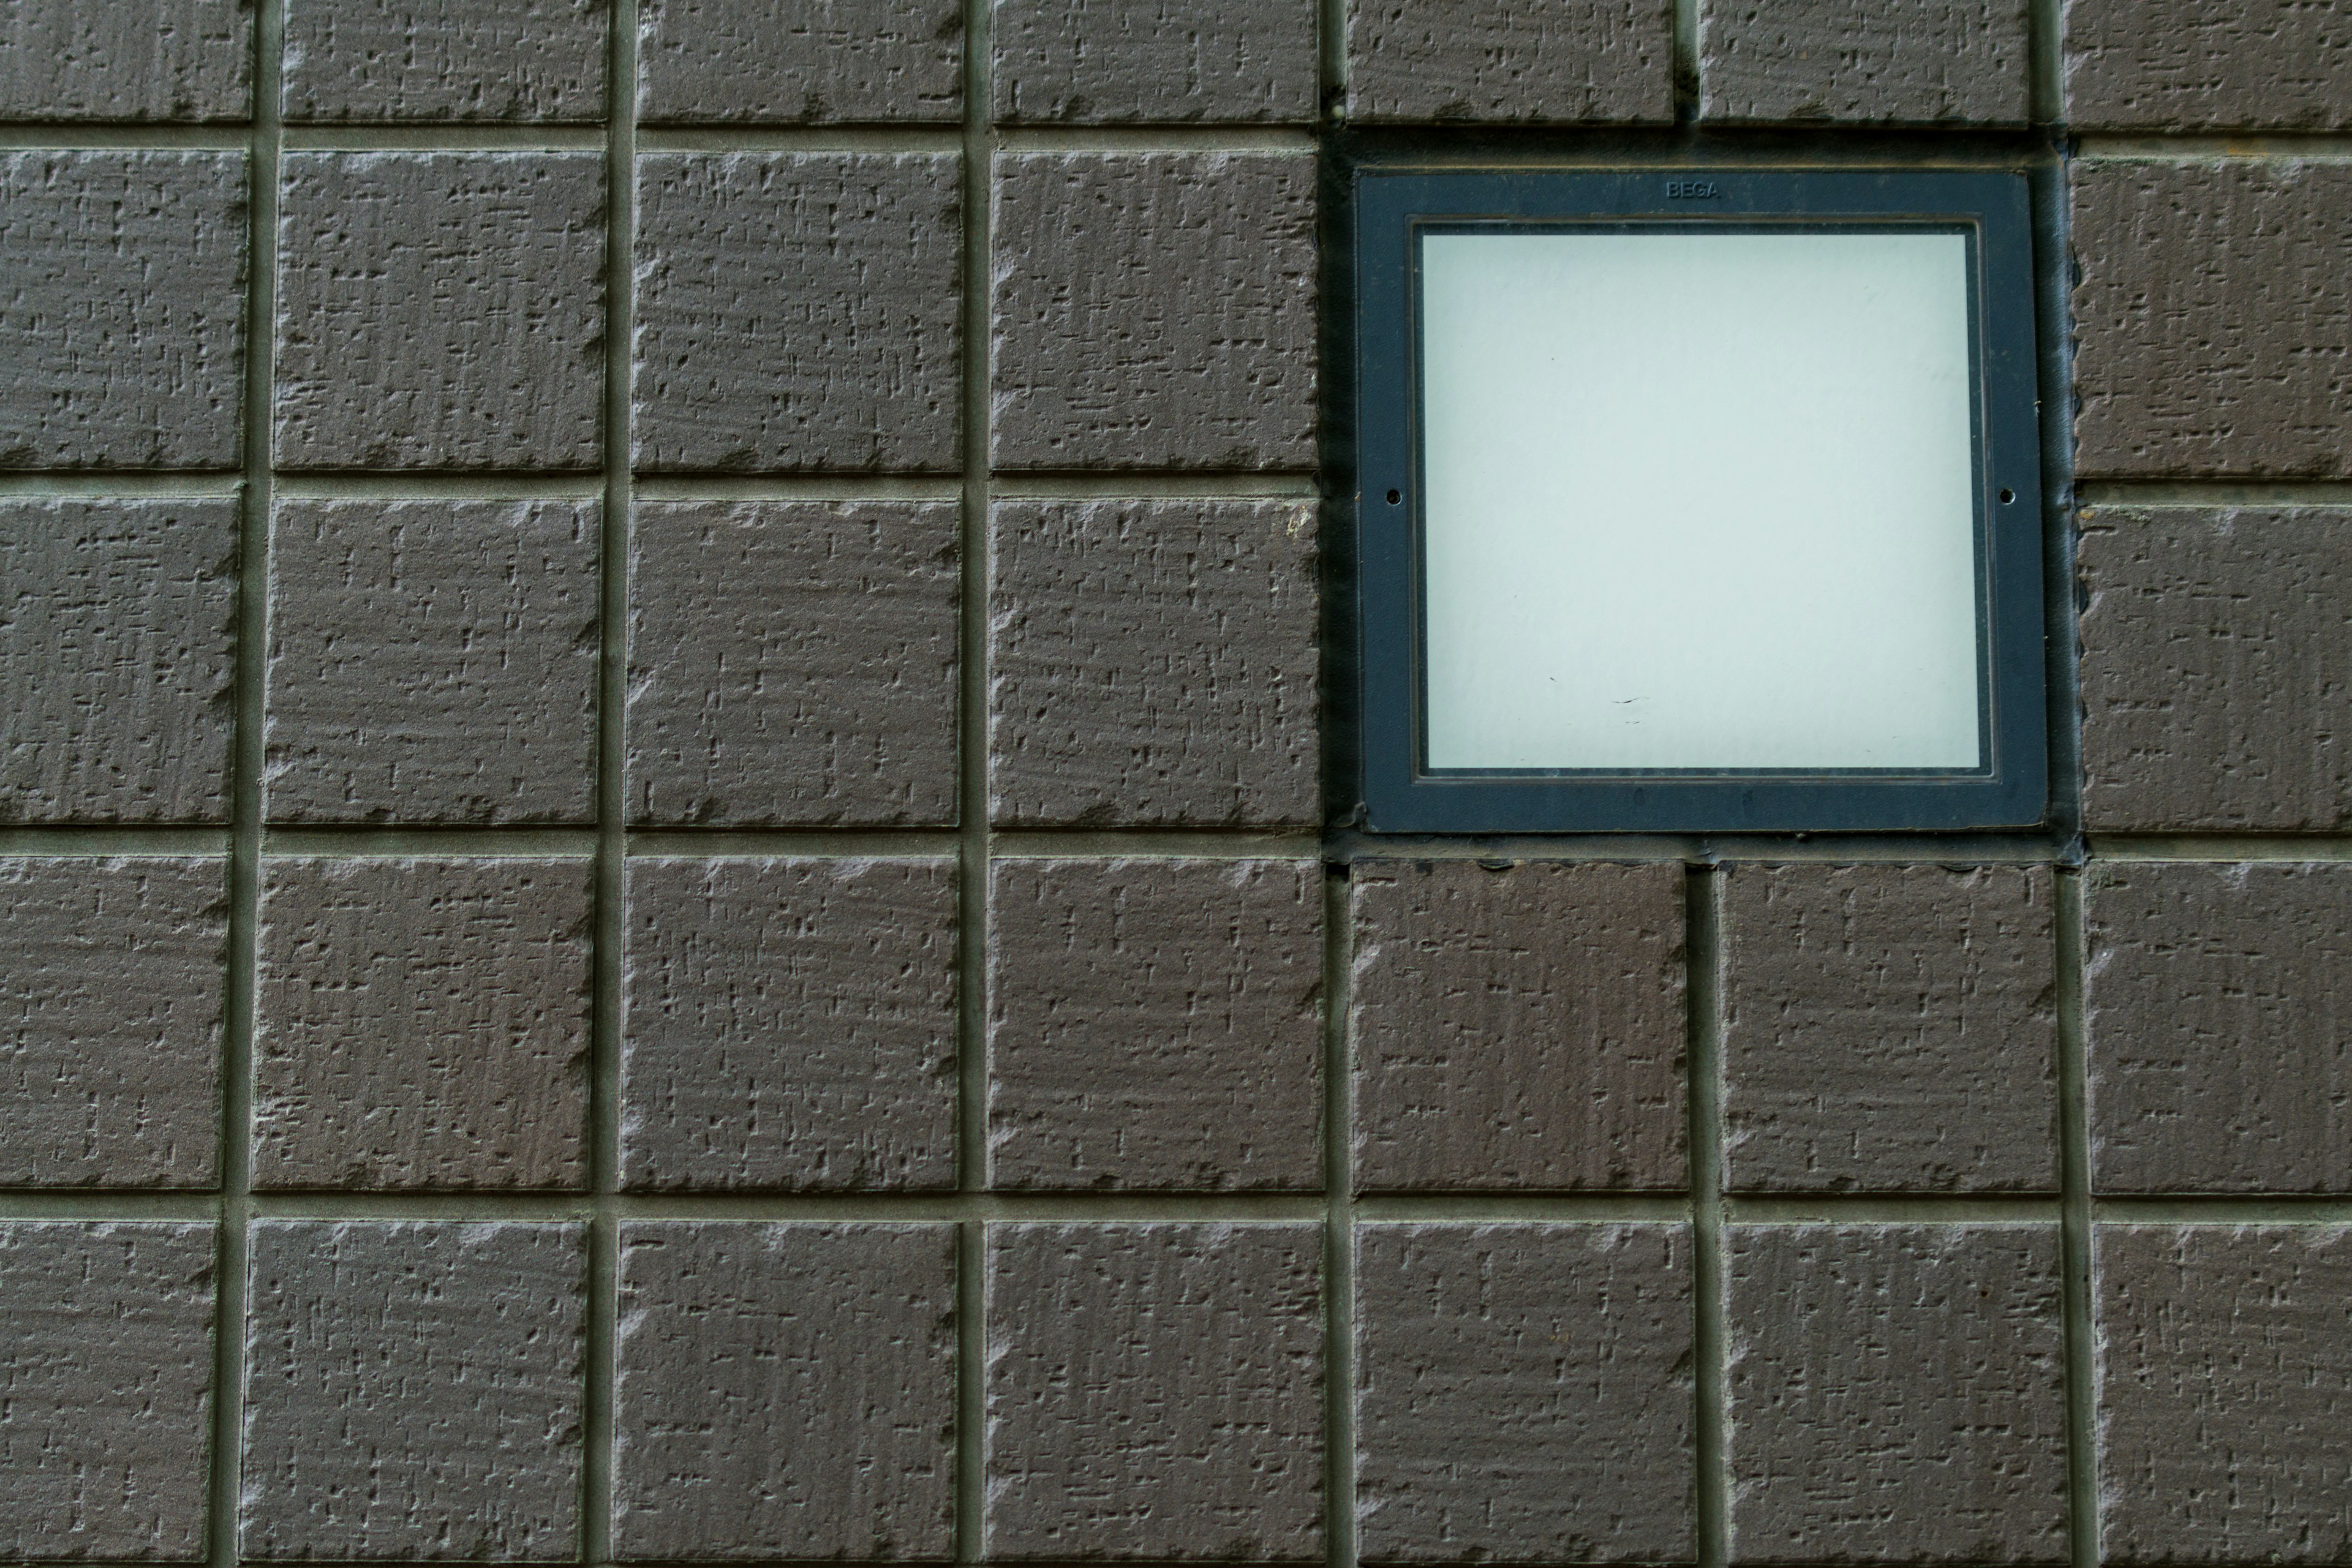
point(105, 1391)
point(114, 986)
point(118, 647)
point(784, 1392)
point(1524, 1393)
point(792, 662)
point(1896, 1393)
point(1519, 1027)
point(412, 1389)
point(2215, 1027)
point(1153, 663)
point(1569, 62)
point(122, 322)
point(2213, 319)
point(422, 1023)
point(1153, 310)
point(798, 311)
point(1154, 1392)
point(155, 60)
point(2224, 1392)
point(440, 310)
point(444, 60)
point(2186, 65)
point(790, 1024)
point(1155, 1024)
point(1909, 61)
point(433, 661)
point(1107, 62)
point(2210, 639)
point(800, 61)
point(1890, 1028)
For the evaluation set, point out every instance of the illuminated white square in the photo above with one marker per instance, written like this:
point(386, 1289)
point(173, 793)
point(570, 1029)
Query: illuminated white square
point(1698, 499)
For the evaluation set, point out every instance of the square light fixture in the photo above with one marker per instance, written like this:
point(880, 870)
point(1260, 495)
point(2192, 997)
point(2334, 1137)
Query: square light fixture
point(1698, 502)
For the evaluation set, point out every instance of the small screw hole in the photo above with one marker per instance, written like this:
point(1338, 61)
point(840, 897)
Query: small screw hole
point(2007, 496)
point(1395, 497)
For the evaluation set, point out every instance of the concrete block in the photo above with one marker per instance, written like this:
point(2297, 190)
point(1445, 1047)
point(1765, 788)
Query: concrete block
point(790, 1024)
point(1918, 62)
point(2214, 1002)
point(412, 1389)
point(798, 311)
point(1896, 1394)
point(792, 662)
point(441, 310)
point(1155, 1024)
point(118, 651)
point(785, 1392)
point(1153, 663)
point(1112, 348)
point(1103, 63)
point(423, 1024)
point(151, 59)
point(122, 323)
point(433, 661)
point(1523, 1394)
point(808, 62)
point(114, 986)
point(1572, 62)
point(1519, 1027)
point(1890, 1028)
point(2177, 65)
point(444, 60)
point(1155, 1392)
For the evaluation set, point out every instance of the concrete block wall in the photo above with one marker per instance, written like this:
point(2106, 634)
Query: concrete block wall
point(664, 886)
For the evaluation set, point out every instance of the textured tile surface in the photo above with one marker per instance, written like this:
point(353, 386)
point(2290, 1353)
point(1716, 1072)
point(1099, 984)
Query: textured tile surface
point(2225, 1390)
point(1113, 348)
point(105, 1390)
point(1105, 61)
point(1520, 1027)
point(1153, 663)
point(2215, 1025)
point(2208, 639)
point(1914, 61)
point(112, 996)
point(1896, 1393)
point(422, 1023)
point(412, 1390)
point(153, 59)
point(1890, 1028)
point(1155, 1024)
point(800, 61)
point(792, 662)
point(2180, 65)
point(444, 60)
point(122, 322)
point(433, 661)
point(440, 310)
point(1155, 1392)
point(118, 643)
point(785, 1391)
point(2213, 318)
point(798, 311)
point(1524, 1393)
point(1596, 61)
point(790, 1024)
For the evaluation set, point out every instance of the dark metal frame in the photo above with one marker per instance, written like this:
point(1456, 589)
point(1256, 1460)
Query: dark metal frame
point(1399, 795)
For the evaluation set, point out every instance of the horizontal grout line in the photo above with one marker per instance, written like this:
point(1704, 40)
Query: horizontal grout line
point(946, 139)
point(1700, 848)
point(1663, 149)
point(2266, 1209)
point(794, 487)
point(1199, 844)
point(943, 1207)
point(81, 842)
point(370, 841)
point(47, 485)
point(1158, 139)
point(2327, 146)
point(438, 487)
point(1155, 485)
point(2212, 492)
point(1513, 1208)
point(106, 1204)
point(747, 842)
point(385, 137)
point(1892, 1208)
point(2220, 847)
point(60, 136)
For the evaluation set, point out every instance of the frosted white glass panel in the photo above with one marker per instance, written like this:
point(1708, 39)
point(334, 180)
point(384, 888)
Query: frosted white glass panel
point(1699, 501)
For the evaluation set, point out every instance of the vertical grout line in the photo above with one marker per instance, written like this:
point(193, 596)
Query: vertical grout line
point(2045, 56)
point(613, 688)
point(1686, 62)
point(1703, 940)
point(245, 854)
point(2075, 1178)
point(1339, 1227)
point(1331, 54)
point(971, 812)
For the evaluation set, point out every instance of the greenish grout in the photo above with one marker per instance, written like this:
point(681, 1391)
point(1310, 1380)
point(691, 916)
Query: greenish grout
point(1522, 1208)
point(1156, 484)
point(86, 842)
point(2179, 847)
point(1300, 140)
point(1892, 1208)
point(799, 487)
point(2074, 1158)
point(476, 138)
point(2046, 52)
point(2153, 493)
point(935, 139)
point(1704, 1001)
point(62, 136)
point(1687, 83)
point(375, 485)
point(1340, 1223)
point(1213, 844)
point(159, 484)
point(2326, 147)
